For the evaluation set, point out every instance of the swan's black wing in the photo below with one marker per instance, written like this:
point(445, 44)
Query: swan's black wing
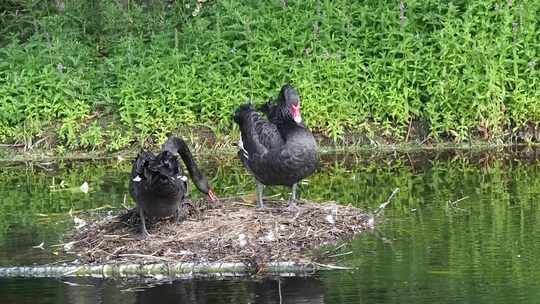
point(166, 164)
point(140, 163)
point(258, 136)
point(268, 108)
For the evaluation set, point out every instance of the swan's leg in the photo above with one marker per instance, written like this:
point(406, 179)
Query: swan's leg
point(260, 188)
point(180, 215)
point(144, 233)
point(292, 200)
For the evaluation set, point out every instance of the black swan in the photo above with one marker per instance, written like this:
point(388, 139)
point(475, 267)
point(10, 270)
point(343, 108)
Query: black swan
point(280, 150)
point(158, 185)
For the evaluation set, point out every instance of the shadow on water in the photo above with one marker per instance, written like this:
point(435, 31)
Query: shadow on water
point(465, 227)
point(199, 291)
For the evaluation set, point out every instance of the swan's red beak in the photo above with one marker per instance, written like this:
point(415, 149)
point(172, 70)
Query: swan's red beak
point(212, 197)
point(295, 111)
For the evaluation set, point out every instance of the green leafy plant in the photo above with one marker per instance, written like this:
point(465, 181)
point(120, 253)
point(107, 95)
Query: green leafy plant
point(468, 69)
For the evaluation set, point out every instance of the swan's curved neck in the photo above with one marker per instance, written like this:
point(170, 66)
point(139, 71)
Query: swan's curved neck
point(177, 145)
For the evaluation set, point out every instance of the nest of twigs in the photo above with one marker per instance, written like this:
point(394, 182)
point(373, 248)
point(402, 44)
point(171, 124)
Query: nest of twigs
point(232, 231)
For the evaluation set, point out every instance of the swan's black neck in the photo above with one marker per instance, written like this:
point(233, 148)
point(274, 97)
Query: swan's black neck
point(279, 113)
point(177, 145)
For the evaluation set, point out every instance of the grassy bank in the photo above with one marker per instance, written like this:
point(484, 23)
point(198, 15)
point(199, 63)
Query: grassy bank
point(114, 74)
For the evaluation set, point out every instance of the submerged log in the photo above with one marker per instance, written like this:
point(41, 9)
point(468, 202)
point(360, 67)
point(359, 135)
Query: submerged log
point(162, 270)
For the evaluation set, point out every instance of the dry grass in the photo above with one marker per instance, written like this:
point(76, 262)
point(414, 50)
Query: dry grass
point(231, 232)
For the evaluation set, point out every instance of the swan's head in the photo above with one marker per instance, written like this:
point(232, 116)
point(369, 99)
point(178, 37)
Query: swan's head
point(290, 99)
point(173, 145)
point(204, 186)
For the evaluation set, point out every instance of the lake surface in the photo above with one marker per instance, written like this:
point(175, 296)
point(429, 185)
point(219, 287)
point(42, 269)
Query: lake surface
point(464, 228)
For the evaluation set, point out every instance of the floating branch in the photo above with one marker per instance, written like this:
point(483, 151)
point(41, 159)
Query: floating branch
point(160, 270)
point(383, 205)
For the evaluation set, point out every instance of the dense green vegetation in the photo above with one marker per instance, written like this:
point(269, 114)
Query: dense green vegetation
point(100, 74)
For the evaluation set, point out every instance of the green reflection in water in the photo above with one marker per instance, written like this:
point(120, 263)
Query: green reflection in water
point(482, 249)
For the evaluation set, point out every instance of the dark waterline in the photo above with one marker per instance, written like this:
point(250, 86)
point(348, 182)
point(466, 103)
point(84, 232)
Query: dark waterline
point(463, 228)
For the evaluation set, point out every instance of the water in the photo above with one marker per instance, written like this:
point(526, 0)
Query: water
point(464, 228)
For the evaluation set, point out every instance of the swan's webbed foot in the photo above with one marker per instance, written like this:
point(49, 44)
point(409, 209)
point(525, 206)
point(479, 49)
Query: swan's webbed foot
point(292, 207)
point(143, 235)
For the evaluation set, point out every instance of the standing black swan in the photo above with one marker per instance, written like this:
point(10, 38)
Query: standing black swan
point(158, 185)
point(281, 151)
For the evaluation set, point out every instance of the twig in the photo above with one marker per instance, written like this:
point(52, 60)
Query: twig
point(243, 204)
point(332, 266)
point(336, 249)
point(43, 167)
point(40, 246)
point(76, 284)
point(96, 247)
point(11, 145)
point(110, 236)
point(340, 254)
point(144, 256)
point(58, 262)
point(117, 250)
point(308, 231)
point(383, 205)
point(194, 236)
point(64, 244)
point(31, 146)
point(454, 203)
point(316, 233)
point(279, 289)
point(408, 130)
point(296, 216)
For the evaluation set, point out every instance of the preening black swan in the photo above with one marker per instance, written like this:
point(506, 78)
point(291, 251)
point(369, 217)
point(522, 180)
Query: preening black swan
point(158, 184)
point(281, 151)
